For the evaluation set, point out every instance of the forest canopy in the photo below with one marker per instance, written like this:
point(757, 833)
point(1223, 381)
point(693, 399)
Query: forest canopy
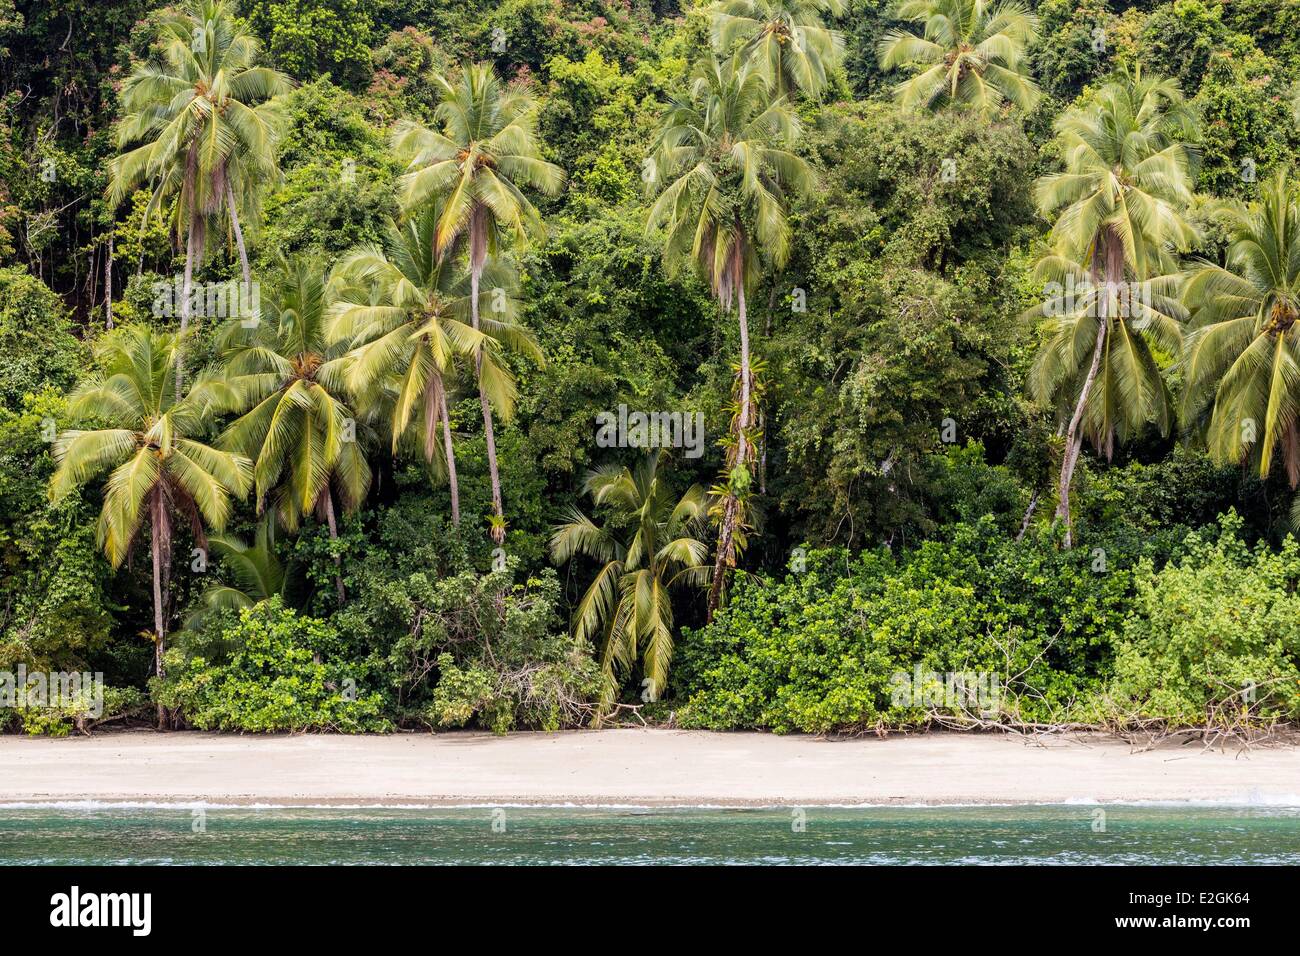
point(737, 364)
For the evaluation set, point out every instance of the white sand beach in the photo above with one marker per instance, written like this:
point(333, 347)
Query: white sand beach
point(644, 767)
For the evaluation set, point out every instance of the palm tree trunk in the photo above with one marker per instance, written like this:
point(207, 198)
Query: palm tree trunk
point(191, 253)
point(1106, 253)
point(157, 519)
point(453, 486)
point(475, 273)
point(745, 410)
point(334, 536)
point(239, 240)
point(731, 509)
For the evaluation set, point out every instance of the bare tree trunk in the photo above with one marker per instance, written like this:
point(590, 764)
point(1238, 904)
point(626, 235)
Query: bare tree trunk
point(1029, 514)
point(475, 273)
point(239, 239)
point(108, 283)
point(158, 520)
point(453, 486)
point(334, 536)
point(731, 509)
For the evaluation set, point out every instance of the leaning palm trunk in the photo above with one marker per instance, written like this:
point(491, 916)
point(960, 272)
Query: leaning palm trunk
point(477, 252)
point(731, 509)
point(1110, 251)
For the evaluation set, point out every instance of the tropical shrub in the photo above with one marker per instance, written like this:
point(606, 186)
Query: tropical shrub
point(1213, 638)
point(37, 348)
point(82, 714)
point(278, 678)
point(818, 650)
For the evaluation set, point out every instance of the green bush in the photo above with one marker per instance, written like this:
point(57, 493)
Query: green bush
point(1110, 633)
point(1214, 639)
point(276, 679)
point(450, 644)
point(503, 658)
point(37, 347)
point(824, 649)
point(59, 721)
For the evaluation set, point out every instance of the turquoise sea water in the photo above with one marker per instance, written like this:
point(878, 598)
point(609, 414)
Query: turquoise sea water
point(512, 835)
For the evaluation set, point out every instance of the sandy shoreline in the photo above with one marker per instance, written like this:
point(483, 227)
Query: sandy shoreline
point(639, 767)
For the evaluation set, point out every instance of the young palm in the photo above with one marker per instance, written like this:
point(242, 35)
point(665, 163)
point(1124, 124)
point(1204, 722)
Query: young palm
point(647, 546)
point(722, 156)
point(1243, 356)
point(1121, 203)
point(971, 51)
point(255, 571)
point(479, 160)
point(151, 445)
point(786, 41)
point(288, 381)
point(204, 123)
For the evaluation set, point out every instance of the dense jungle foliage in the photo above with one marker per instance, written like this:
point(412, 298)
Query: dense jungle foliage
point(330, 331)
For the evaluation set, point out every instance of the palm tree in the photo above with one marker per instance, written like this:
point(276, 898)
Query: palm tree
point(785, 40)
point(971, 51)
point(1243, 358)
point(478, 162)
point(722, 156)
point(204, 124)
point(1121, 202)
point(151, 445)
point(256, 572)
point(402, 312)
point(647, 547)
point(288, 380)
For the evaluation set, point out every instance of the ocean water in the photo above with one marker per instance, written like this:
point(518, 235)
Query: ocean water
point(1074, 834)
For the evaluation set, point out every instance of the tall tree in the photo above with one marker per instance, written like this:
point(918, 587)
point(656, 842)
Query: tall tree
point(483, 154)
point(723, 162)
point(204, 123)
point(152, 447)
point(402, 311)
point(287, 379)
point(1242, 360)
point(787, 41)
point(647, 546)
point(1120, 205)
point(970, 51)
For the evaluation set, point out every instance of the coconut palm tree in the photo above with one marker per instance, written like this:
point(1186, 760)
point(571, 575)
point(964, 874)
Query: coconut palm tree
point(970, 51)
point(403, 312)
point(723, 161)
point(647, 546)
point(151, 444)
point(786, 40)
point(1120, 205)
point(204, 124)
point(1242, 360)
point(287, 379)
point(478, 161)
